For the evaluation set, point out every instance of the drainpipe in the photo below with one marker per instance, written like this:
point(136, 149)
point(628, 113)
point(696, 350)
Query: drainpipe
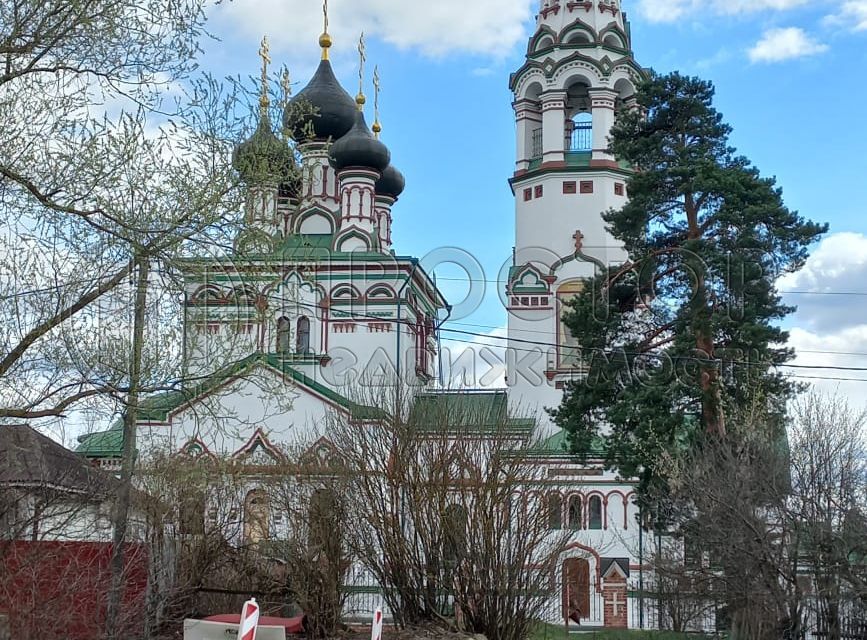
point(640, 567)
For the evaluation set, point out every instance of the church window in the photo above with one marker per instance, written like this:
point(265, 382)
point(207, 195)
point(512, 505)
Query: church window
point(555, 511)
point(619, 189)
point(257, 517)
point(570, 186)
point(536, 144)
point(595, 512)
point(213, 328)
point(323, 532)
point(284, 332)
point(454, 534)
point(586, 186)
point(528, 194)
point(192, 514)
point(574, 513)
point(302, 342)
point(538, 191)
point(569, 353)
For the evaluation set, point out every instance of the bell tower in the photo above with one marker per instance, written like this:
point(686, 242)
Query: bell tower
point(579, 71)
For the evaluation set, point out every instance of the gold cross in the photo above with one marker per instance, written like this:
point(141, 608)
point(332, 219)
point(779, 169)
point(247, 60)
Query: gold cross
point(377, 87)
point(325, 15)
point(362, 58)
point(286, 84)
point(264, 53)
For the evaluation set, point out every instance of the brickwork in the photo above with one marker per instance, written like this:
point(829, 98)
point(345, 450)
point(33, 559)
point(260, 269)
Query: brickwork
point(614, 598)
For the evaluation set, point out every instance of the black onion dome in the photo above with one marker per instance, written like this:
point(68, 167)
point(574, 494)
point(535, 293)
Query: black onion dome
point(359, 148)
point(392, 183)
point(324, 104)
point(263, 157)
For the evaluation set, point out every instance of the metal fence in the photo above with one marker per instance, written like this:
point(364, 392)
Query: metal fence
point(580, 138)
point(536, 144)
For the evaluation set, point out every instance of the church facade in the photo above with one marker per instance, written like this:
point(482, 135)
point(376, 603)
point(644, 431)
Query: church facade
point(315, 292)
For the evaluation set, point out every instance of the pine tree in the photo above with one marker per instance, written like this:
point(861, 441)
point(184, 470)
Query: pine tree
point(687, 332)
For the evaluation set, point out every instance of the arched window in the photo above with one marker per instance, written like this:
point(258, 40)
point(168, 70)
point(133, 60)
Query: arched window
point(574, 513)
point(595, 512)
point(324, 522)
point(302, 336)
point(284, 335)
point(555, 511)
point(454, 534)
point(580, 131)
point(257, 517)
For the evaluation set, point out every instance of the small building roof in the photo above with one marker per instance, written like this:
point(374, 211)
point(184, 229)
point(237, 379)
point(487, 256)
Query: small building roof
point(31, 460)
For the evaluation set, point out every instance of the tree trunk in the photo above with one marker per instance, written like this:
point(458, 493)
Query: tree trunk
point(122, 500)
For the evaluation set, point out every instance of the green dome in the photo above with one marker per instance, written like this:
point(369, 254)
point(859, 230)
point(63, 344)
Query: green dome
point(263, 157)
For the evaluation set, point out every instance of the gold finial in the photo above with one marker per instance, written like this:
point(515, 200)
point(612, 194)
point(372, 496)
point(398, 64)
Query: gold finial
point(264, 53)
point(362, 58)
point(377, 87)
point(286, 87)
point(325, 39)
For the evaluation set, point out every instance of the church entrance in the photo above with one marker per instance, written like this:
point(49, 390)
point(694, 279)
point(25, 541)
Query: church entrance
point(576, 589)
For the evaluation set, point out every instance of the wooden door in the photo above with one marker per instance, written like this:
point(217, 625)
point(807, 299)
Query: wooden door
point(576, 589)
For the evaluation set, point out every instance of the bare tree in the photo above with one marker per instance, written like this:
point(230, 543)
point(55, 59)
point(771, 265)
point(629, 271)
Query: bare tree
point(768, 524)
point(828, 507)
point(439, 515)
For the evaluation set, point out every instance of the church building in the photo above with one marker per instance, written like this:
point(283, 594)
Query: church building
point(315, 290)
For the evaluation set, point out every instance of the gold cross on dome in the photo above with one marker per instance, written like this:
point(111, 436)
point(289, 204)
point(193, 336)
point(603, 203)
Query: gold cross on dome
point(286, 85)
point(325, 15)
point(264, 53)
point(362, 58)
point(377, 87)
point(578, 237)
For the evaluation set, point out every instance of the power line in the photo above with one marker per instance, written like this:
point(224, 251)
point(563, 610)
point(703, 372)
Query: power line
point(786, 292)
point(791, 375)
point(554, 333)
point(538, 343)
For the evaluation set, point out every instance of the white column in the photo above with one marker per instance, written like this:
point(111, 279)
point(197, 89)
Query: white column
point(553, 126)
point(528, 119)
point(602, 104)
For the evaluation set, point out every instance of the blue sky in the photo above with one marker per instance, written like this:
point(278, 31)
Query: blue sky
point(789, 77)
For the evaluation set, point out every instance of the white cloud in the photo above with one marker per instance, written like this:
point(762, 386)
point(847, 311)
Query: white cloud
point(673, 10)
point(777, 45)
point(844, 349)
point(852, 15)
point(830, 327)
point(487, 27)
point(835, 271)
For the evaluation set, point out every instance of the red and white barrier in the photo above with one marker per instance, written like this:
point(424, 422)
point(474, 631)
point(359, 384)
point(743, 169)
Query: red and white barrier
point(376, 627)
point(249, 620)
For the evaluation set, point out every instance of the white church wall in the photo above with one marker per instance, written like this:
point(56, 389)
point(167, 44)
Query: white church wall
point(224, 422)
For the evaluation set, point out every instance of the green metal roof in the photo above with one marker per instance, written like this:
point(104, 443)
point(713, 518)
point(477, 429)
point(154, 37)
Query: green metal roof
point(157, 408)
point(558, 445)
point(467, 411)
point(575, 160)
